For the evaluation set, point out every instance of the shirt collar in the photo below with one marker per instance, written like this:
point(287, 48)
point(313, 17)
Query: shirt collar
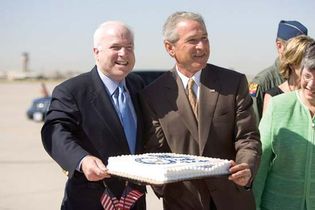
point(110, 84)
point(185, 79)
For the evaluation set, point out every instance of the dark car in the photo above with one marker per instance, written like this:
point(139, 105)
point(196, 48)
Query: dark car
point(40, 106)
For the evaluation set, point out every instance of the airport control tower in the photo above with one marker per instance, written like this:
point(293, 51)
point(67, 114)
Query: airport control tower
point(25, 61)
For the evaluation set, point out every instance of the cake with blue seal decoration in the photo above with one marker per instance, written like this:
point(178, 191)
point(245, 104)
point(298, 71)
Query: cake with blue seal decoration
point(162, 168)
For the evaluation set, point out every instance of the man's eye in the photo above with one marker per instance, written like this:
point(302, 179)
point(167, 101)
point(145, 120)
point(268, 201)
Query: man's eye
point(193, 41)
point(205, 38)
point(116, 47)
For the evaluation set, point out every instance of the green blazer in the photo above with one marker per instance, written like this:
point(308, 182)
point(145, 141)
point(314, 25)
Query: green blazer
point(286, 176)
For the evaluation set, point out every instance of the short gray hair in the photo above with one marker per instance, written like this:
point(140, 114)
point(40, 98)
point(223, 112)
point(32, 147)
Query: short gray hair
point(169, 32)
point(99, 32)
point(308, 61)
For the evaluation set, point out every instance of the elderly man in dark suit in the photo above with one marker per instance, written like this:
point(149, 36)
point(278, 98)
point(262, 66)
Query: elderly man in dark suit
point(202, 109)
point(86, 123)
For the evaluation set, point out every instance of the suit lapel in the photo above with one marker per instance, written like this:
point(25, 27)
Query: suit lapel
point(182, 104)
point(102, 104)
point(209, 92)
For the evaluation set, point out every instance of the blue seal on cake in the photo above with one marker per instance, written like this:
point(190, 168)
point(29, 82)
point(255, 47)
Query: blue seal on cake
point(164, 159)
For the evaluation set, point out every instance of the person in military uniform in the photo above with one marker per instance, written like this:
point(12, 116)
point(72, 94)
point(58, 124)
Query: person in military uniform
point(270, 77)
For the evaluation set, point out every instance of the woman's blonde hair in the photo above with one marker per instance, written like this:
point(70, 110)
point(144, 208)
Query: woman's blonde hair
point(293, 54)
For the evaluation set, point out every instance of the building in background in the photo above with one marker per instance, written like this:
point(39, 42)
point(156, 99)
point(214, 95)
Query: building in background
point(25, 61)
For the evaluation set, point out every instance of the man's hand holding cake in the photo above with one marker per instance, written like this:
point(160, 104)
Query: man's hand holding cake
point(94, 169)
point(240, 174)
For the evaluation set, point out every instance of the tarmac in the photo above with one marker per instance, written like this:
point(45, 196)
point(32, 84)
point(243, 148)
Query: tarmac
point(29, 178)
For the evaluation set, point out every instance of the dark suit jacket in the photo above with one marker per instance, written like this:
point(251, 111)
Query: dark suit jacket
point(82, 120)
point(226, 129)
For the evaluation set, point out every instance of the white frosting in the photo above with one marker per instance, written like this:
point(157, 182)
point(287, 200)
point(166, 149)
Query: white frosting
point(161, 168)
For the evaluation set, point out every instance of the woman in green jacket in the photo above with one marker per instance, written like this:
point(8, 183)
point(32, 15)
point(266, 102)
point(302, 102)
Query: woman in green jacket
point(286, 177)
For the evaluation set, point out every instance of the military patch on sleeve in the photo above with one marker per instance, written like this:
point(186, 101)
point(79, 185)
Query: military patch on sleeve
point(253, 89)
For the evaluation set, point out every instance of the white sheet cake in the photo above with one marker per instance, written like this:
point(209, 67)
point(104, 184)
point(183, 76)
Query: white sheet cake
point(161, 168)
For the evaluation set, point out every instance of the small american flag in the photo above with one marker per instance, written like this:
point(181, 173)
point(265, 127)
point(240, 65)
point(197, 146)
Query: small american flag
point(108, 200)
point(126, 202)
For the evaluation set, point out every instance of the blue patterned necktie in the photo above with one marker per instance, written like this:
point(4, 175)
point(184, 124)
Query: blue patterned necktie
point(126, 117)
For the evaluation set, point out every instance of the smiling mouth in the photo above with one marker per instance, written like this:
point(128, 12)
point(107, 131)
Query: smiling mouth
point(123, 63)
point(310, 91)
point(200, 55)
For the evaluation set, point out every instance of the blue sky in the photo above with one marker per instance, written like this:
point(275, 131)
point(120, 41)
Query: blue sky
point(57, 34)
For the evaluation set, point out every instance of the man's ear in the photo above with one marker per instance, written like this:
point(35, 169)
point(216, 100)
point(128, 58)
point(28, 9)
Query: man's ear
point(95, 51)
point(169, 48)
point(280, 45)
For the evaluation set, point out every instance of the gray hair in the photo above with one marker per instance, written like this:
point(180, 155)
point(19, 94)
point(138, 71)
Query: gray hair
point(169, 32)
point(99, 32)
point(308, 61)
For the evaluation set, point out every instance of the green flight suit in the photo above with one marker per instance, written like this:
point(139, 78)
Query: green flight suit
point(264, 80)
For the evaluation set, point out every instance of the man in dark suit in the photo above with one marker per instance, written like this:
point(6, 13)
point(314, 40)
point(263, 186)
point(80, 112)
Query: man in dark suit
point(84, 125)
point(213, 118)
